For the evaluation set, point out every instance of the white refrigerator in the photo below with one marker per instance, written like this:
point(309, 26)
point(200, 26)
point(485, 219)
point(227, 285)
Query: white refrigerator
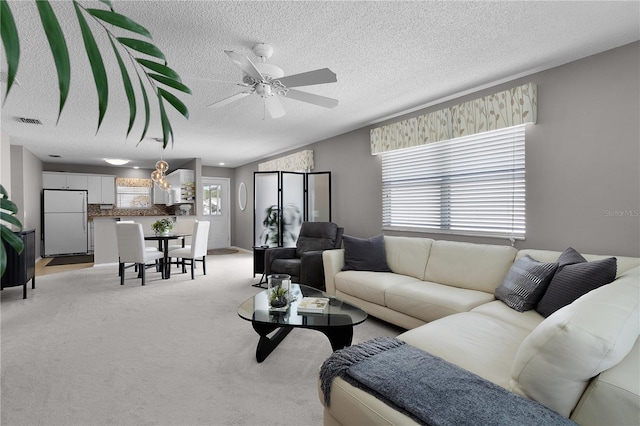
point(65, 222)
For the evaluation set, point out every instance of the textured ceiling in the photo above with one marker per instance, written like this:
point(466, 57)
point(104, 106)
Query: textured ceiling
point(389, 57)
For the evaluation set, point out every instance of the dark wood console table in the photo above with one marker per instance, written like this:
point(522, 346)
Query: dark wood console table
point(21, 267)
point(258, 264)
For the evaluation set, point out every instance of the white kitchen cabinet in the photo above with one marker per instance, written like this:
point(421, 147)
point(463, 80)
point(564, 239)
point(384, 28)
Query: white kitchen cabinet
point(160, 196)
point(108, 189)
point(183, 187)
point(61, 180)
point(101, 189)
point(94, 184)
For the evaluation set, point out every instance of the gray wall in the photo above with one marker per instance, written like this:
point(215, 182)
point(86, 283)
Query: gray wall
point(5, 161)
point(26, 188)
point(582, 159)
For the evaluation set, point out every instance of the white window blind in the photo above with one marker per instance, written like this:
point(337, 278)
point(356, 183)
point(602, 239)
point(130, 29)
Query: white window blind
point(473, 185)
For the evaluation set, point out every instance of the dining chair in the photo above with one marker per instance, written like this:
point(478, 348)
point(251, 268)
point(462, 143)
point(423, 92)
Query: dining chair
point(147, 248)
point(197, 251)
point(182, 227)
point(131, 249)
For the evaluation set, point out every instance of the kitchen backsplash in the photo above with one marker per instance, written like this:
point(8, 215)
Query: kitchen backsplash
point(94, 210)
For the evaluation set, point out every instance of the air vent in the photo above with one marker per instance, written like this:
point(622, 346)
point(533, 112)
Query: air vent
point(29, 120)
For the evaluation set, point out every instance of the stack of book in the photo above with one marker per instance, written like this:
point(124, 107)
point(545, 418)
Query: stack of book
point(313, 305)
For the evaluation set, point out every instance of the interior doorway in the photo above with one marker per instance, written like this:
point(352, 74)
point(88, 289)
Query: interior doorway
point(216, 209)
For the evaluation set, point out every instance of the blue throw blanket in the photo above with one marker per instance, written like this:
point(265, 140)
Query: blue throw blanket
point(429, 389)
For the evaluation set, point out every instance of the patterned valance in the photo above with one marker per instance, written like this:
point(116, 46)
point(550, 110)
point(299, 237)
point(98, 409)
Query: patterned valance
point(297, 162)
point(134, 182)
point(503, 109)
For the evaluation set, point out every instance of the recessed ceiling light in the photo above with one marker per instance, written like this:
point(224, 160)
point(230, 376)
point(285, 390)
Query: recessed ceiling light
point(136, 167)
point(220, 164)
point(116, 161)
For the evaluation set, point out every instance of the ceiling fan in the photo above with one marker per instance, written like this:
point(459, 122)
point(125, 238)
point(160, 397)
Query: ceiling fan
point(269, 82)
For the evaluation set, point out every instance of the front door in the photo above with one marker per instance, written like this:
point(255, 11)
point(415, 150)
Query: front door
point(216, 200)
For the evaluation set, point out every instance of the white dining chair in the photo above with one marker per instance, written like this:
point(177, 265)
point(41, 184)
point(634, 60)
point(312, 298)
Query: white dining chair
point(197, 251)
point(182, 227)
point(131, 249)
point(148, 248)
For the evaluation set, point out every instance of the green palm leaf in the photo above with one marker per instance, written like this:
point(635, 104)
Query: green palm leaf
point(170, 82)
point(119, 21)
point(108, 3)
point(142, 46)
point(167, 131)
point(159, 68)
point(58, 49)
point(146, 111)
point(128, 87)
point(175, 102)
point(10, 219)
point(11, 43)
point(97, 66)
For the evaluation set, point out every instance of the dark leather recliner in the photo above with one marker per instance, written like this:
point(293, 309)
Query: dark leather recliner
point(304, 262)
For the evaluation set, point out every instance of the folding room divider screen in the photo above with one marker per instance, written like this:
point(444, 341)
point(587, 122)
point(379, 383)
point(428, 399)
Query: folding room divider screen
point(283, 200)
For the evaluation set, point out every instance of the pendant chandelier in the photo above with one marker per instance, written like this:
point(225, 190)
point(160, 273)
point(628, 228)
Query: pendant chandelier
point(158, 175)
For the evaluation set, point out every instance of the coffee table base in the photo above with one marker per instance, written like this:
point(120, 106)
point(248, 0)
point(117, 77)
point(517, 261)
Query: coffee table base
point(339, 337)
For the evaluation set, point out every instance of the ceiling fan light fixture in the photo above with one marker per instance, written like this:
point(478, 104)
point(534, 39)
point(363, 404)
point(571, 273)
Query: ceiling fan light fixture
point(269, 70)
point(116, 161)
point(263, 90)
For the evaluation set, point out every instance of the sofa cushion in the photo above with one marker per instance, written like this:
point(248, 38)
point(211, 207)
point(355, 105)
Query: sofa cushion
point(557, 360)
point(408, 255)
point(479, 343)
point(616, 390)
point(287, 266)
point(499, 310)
point(525, 283)
point(369, 286)
point(624, 263)
point(575, 277)
point(430, 301)
point(364, 254)
point(316, 236)
point(466, 265)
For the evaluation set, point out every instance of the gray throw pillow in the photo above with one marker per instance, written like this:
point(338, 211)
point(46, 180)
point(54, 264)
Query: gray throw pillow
point(574, 278)
point(525, 283)
point(365, 254)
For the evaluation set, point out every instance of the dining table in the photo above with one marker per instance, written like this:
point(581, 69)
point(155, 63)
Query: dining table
point(163, 246)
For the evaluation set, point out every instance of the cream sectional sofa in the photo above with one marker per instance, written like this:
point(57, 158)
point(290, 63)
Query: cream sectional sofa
point(582, 361)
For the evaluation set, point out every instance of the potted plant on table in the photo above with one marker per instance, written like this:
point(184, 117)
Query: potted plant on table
point(162, 226)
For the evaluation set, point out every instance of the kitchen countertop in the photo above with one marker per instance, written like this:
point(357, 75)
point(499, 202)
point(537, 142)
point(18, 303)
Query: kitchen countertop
point(124, 216)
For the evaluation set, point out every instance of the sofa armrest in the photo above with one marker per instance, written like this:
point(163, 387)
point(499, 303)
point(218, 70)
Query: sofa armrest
point(333, 263)
point(277, 253)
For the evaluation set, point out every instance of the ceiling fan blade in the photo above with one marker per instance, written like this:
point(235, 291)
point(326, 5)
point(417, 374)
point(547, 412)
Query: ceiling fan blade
point(245, 64)
point(321, 76)
point(228, 100)
point(274, 106)
point(216, 81)
point(311, 98)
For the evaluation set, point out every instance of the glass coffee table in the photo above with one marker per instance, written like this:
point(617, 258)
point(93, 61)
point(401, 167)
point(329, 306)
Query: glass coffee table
point(336, 322)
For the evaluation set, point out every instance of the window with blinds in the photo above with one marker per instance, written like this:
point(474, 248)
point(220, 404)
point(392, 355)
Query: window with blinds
point(473, 185)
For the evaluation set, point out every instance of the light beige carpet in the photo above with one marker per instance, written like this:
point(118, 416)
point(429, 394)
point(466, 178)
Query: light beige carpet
point(83, 350)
